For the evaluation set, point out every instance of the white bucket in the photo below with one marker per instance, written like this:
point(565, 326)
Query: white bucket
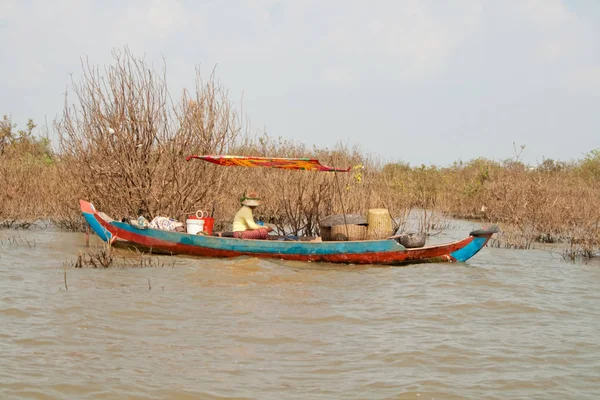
point(194, 226)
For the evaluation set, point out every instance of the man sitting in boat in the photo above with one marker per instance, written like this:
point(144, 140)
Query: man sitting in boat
point(244, 226)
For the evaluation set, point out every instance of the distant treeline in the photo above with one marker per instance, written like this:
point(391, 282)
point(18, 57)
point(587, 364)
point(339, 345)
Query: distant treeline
point(123, 140)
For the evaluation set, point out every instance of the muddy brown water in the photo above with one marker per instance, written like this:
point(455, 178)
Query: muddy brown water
point(506, 324)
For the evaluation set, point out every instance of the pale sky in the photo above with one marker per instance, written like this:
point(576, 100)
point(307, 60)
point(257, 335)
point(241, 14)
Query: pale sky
point(426, 81)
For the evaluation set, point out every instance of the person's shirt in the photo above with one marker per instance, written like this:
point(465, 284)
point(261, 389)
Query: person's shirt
point(244, 220)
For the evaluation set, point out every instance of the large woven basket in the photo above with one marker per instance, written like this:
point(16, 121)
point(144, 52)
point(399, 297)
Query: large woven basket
point(353, 232)
point(341, 219)
point(380, 224)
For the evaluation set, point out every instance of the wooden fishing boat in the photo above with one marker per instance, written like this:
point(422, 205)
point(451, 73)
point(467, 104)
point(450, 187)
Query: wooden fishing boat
point(386, 251)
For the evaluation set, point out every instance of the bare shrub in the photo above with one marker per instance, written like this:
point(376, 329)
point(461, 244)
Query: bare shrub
point(26, 163)
point(556, 202)
point(124, 140)
point(17, 240)
point(105, 256)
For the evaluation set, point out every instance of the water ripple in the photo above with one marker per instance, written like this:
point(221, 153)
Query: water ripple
point(508, 324)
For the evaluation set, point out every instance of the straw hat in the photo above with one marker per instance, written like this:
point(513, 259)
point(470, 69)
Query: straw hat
point(250, 199)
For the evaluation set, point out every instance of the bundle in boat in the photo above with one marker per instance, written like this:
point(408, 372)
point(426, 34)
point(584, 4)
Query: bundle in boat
point(379, 224)
point(411, 240)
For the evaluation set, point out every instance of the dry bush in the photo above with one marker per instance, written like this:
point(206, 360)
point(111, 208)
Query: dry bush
point(556, 202)
point(124, 140)
point(17, 240)
point(544, 207)
point(105, 256)
point(26, 171)
point(463, 193)
point(416, 192)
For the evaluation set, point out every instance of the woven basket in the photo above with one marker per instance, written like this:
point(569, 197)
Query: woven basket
point(354, 232)
point(341, 219)
point(380, 224)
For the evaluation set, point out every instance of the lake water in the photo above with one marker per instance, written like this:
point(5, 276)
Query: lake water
point(507, 324)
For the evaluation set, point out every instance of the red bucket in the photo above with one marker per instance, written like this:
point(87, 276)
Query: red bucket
point(209, 222)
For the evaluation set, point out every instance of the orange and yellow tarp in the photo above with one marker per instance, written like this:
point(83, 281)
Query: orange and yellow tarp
point(306, 164)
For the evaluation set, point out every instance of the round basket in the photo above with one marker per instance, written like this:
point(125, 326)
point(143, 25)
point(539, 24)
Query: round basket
point(380, 224)
point(354, 232)
point(341, 219)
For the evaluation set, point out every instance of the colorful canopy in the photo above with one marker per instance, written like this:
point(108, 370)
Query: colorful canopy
point(284, 163)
